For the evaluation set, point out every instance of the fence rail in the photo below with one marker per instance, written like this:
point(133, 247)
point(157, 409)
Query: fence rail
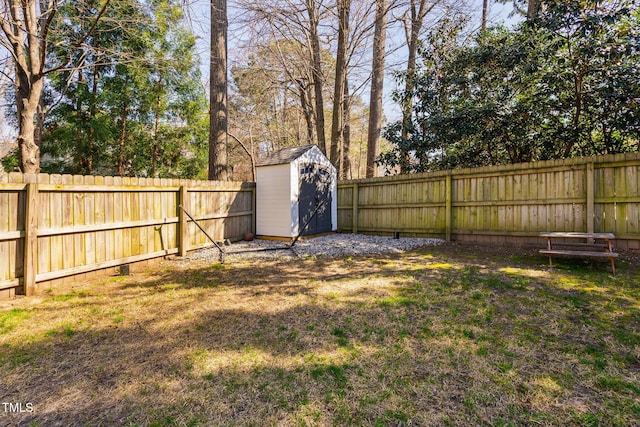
point(55, 226)
point(503, 203)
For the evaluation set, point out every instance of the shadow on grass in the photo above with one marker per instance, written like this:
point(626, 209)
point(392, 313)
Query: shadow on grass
point(431, 338)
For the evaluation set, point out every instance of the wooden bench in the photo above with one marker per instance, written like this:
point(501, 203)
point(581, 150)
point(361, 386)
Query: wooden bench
point(594, 245)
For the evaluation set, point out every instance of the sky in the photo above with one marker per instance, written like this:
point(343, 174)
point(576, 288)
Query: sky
point(199, 14)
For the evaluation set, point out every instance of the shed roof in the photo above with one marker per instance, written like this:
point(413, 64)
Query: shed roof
point(286, 155)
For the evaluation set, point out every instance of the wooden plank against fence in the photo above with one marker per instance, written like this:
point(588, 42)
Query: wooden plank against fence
point(632, 208)
point(215, 205)
point(154, 209)
point(79, 219)
point(590, 197)
point(6, 213)
point(621, 207)
point(354, 206)
point(89, 218)
point(195, 209)
point(127, 216)
point(163, 202)
point(118, 216)
point(31, 239)
point(99, 219)
point(183, 240)
point(448, 213)
point(16, 222)
point(149, 232)
point(67, 221)
point(44, 221)
point(134, 246)
point(608, 211)
point(222, 207)
point(109, 218)
point(170, 203)
point(254, 218)
point(143, 211)
point(56, 210)
point(157, 233)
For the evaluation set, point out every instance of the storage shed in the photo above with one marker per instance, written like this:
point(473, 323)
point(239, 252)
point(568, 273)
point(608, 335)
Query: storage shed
point(296, 186)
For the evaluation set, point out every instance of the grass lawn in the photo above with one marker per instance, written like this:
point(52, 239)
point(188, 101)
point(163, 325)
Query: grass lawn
point(448, 335)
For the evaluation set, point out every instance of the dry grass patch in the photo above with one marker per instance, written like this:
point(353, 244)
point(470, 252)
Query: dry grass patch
point(447, 336)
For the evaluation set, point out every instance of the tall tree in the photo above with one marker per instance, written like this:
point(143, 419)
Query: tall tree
point(346, 132)
point(377, 82)
point(338, 123)
point(313, 9)
point(218, 113)
point(25, 26)
point(413, 23)
point(273, 95)
point(289, 23)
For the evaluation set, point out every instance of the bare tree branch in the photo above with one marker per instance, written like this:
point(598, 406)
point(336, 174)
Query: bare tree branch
point(78, 44)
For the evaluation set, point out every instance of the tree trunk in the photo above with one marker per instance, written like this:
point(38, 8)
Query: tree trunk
point(412, 44)
point(28, 149)
point(307, 110)
point(20, 26)
point(412, 30)
point(337, 122)
point(122, 140)
point(485, 7)
point(346, 133)
point(377, 80)
point(28, 94)
point(156, 131)
point(83, 152)
point(156, 146)
point(578, 92)
point(92, 112)
point(533, 9)
point(316, 64)
point(218, 120)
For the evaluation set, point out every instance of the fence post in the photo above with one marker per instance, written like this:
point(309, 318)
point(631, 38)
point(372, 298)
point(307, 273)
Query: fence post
point(182, 218)
point(354, 205)
point(447, 217)
point(30, 239)
point(254, 204)
point(590, 187)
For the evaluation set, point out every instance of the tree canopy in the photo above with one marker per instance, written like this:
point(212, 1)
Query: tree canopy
point(122, 93)
point(564, 84)
point(135, 106)
point(113, 86)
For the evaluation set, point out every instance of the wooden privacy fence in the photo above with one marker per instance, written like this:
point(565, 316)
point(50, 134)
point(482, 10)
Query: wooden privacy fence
point(510, 203)
point(56, 226)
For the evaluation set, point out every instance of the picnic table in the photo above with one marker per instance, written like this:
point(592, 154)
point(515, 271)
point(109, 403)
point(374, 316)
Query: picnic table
point(577, 244)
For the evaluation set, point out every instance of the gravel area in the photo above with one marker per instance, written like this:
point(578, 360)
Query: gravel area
point(331, 245)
